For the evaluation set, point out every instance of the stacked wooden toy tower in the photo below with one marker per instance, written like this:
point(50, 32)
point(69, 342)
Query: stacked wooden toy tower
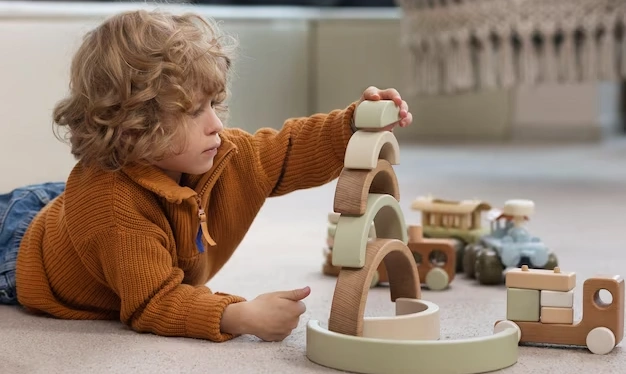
point(367, 191)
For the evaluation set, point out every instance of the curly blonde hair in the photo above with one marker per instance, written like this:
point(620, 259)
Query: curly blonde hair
point(136, 81)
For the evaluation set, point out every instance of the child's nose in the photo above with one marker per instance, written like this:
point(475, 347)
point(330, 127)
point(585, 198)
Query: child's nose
point(213, 127)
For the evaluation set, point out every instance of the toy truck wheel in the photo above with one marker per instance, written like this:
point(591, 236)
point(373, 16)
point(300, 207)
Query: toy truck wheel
point(552, 262)
point(437, 279)
point(469, 259)
point(503, 325)
point(488, 268)
point(375, 280)
point(600, 340)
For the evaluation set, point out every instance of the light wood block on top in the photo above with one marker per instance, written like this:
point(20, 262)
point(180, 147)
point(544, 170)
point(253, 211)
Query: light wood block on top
point(539, 279)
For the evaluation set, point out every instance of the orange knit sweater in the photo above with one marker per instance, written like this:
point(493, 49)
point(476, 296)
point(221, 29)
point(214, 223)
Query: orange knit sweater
point(128, 245)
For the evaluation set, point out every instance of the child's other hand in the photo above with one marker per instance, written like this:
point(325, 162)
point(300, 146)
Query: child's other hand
point(373, 94)
point(270, 317)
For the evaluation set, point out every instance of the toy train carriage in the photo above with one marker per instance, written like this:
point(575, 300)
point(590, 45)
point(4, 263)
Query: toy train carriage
point(540, 305)
point(460, 221)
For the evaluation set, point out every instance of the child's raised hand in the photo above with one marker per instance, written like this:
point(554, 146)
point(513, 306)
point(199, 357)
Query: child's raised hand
point(270, 317)
point(373, 94)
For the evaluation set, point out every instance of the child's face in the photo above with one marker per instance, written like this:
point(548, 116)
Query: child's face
point(202, 144)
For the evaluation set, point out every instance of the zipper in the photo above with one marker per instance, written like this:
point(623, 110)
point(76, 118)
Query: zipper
point(203, 230)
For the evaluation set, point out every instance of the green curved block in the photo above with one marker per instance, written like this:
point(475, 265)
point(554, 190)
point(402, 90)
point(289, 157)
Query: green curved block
point(351, 233)
point(388, 356)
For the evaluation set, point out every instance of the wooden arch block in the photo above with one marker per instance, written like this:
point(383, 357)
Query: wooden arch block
point(376, 114)
point(348, 305)
point(351, 235)
point(354, 186)
point(366, 147)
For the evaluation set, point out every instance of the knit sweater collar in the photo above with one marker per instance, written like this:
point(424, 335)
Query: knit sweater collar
point(154, 179)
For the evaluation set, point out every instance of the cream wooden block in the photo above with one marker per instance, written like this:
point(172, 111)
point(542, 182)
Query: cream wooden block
point(332, 229)
point(414, 320)
point(557, 299)
point(366, 147)
point(333, 217)
point(351, 235)
point(376, 114)
point(557, 315)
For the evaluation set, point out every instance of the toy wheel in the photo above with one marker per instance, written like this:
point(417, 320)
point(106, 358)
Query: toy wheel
point(469, 259)
point(437, 279)
point(600, 340)
point(375, 280)
point(503, 325)
point(539, 259)
point(552, 262)
point(488, 268)
point(510, 257)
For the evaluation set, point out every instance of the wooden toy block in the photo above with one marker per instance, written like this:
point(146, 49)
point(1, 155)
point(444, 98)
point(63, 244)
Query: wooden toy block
point(354, 185)
point(409, 339)
point(351, 236)
point(348, 305)
point(390, 356)
point(365, 148)
point(376, 114)
point(419, 321)
point(522, 304)
point(600, 329)
point(332, 230)
point(333, 217)
point(557, 299)
point(557, 315)
point(540, 279)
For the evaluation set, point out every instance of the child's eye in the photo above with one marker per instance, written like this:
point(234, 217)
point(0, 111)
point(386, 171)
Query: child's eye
point(198, 112)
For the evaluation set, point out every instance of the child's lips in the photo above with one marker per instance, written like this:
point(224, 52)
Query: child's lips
point(212, 149)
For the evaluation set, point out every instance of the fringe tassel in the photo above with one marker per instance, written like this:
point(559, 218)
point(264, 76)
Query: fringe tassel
point(466, 45)
point(448, 67)
point(568, 56)
point(548, 52)
point(505, 58)
point(485, 58)
point(528, 55)
point(465, 76)
point(589, 48)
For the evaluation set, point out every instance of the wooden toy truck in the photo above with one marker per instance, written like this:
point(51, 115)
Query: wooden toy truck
point(540, 306)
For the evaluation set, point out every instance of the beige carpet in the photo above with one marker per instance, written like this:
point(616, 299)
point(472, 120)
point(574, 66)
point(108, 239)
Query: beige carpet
point(580, 194)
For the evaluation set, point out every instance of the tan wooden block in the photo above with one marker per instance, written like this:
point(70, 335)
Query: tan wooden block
point(365, 148)
point(557, 315)
point(557, 299)
point(540, 279)
point(376, 114)
point(354, 185)
point(351, 236)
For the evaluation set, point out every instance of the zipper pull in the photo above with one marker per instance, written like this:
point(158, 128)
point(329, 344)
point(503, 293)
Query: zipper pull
point(203, 224)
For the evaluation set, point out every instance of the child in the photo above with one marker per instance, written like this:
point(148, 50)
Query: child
point(162, 194)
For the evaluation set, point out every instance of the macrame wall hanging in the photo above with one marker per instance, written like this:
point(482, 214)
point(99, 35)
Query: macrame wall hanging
point(465, 45)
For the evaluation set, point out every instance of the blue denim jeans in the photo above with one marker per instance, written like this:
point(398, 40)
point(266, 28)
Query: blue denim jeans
point(17, 210)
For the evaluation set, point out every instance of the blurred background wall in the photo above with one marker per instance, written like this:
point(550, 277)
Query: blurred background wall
point(293, 61)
